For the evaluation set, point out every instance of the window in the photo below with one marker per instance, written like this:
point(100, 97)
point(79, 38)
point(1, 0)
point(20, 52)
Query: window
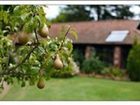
point(117, 36)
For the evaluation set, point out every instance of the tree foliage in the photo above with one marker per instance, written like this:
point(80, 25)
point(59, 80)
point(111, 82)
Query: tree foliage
point(105, 12)
point(26, 55)
point(133, 62)
point(72, 13)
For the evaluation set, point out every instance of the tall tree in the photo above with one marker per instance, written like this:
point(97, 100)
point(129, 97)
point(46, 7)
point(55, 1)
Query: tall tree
point(101, 12)
point(123, 11)
point(104, 12)
point(93, 12)
point(73, 13)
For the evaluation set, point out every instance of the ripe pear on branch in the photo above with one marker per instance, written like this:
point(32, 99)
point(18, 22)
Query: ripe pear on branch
point(44, 31)
point(19, 38)
point(22, 38)
point(41, 83)
point(12, 36)
point(57, 62)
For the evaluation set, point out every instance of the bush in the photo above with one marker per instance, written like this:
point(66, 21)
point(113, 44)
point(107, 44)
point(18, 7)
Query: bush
point(117, 72)
point(92, 65)
point(64, 73)
point(78, 57)
point(133, 63)
point(113, 71)
point(106, 71)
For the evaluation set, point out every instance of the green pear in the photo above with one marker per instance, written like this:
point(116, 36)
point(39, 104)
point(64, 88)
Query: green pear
point(41, 83)
point(58, 63)
point(44, 32)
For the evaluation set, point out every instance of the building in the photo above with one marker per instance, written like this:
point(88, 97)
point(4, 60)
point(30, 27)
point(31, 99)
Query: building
point(111, 39)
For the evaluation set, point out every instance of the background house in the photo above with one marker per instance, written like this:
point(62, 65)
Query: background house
point(111, 39)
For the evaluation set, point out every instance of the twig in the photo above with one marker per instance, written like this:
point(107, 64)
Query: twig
point(8, 59)
point(12, 73)
point(61, 45)
point(36, 36)
point(28, 55)
point(13, 68)
point(63, 39)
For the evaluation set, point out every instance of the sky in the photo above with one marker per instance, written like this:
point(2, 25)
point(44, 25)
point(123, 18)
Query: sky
point(53, 10)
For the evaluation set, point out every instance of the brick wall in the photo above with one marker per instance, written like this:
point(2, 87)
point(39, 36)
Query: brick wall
point(117, 56)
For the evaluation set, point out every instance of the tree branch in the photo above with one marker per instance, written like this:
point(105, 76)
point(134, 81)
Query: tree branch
point(28, 55)
point(36, 36)
point(12, 73)
point(63, 39)
point(8, 71)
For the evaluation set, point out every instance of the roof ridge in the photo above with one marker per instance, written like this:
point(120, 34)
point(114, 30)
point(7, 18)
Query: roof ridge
point(111, 20)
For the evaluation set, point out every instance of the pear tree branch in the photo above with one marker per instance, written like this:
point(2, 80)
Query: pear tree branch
point(61, 45)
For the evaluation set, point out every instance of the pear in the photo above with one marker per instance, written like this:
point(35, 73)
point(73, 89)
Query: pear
point(22, 38)
point(58, 63)
point(41, 83)
point(12, 36)
point(44, 31)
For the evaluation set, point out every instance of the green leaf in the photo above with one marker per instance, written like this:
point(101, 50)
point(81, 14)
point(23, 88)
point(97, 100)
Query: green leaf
point(74, 33)
point(24, 16)
point(69, 46)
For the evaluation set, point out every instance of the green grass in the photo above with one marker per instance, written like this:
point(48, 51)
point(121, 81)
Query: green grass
point(77, 88)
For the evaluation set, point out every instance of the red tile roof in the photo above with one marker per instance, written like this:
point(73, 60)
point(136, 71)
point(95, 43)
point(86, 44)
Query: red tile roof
point(96, 32)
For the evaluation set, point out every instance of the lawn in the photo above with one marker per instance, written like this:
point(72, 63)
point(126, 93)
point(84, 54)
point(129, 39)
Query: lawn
point(77, 88)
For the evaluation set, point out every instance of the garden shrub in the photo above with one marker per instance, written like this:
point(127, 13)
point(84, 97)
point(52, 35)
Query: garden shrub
point(113, 71)
point(117, 72)
point(64, 73)
point(78, 57)
point(133, 63)
point(105, 71)
point(92, 64)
